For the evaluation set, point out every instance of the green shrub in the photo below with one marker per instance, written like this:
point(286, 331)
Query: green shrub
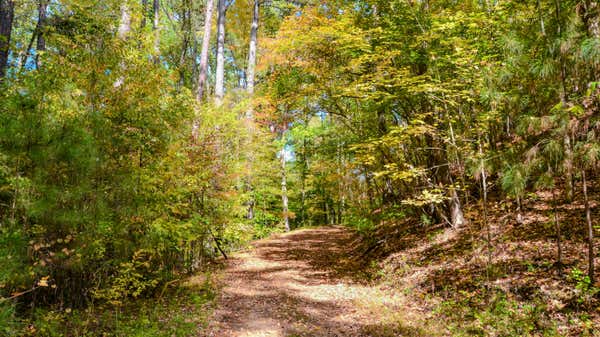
point(265, 224)
point(471, 316)
point(9, 324)
point(584, 289)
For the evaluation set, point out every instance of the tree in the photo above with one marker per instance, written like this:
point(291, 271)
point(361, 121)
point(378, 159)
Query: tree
point(514, 182)
point(588, 153)
point(203, 69)
point(252, 48)
point(41, 40)
point(220, 68)
point(124, 22)
point(7, 13)
point(284, 189)
point(155, 26)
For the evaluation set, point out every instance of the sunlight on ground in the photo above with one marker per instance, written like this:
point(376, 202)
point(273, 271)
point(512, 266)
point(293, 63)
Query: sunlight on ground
point(287, 287)
point(262, 328)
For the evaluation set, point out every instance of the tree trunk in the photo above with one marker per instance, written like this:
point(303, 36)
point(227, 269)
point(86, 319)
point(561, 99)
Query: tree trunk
point(156, 28)
point(563, 99)
point(563, 68)
point(145, 12)
point(590, 230)
point(486, 223)
point(592, 18)
point(303, 175)
point(519, 210)
point(25, 57)
point(7, 14)
point(333, 215)
point(250, 75)
point(220, 71)
point(125, 22)
point(341, 185)
point(557, 231)
point(541, 18)
point(41, 25)
point(303, 200)
point(204, 51)
point(568, 167)
point(186, 28)
point(250, 213)
point(194, 57)
point(325, 209)
point(592, 23)
point(250, 89)
point(122, 33)
point(456, 213)
point(284, 196)
point(38, 35)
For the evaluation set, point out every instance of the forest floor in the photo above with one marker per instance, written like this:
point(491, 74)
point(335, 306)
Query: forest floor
point(402, 277)
point(405, 278)
point(304, 284)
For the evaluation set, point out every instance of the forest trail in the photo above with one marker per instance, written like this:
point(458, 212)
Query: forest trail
point(298, 284)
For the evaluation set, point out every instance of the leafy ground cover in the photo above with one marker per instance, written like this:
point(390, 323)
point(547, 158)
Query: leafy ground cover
point(180, 310)
point(304, 284)
point(511, 287)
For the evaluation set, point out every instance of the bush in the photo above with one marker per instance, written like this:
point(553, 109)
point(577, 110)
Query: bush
point(472, 315)
point(9, 324)
point(265, 224)
point(585, 291)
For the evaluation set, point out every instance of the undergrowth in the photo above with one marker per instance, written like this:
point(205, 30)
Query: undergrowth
point(177, 312)
point(479, 314)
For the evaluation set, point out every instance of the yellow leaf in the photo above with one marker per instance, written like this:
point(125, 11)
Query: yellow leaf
point(43, 282)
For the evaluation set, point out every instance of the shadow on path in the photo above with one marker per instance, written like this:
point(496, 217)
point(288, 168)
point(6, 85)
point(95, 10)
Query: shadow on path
point(300, 284)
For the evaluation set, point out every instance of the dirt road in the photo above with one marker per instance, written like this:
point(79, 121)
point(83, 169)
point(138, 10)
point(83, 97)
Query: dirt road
point(299, 284)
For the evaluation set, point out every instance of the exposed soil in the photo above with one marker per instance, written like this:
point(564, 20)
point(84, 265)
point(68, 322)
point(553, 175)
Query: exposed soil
point(302, 284)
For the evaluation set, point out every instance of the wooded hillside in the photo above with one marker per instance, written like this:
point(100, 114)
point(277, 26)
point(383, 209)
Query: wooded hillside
point(141, 141)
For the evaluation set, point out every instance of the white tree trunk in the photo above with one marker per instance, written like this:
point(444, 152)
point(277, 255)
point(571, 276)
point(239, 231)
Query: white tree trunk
point(125, 23)
point(210, 4)
point(220, 71)
point(156, 27)
point(250, 71)
point(456, 213)
point(284, 196)
point(519, 211)
point(122, 33)
point(250, 75)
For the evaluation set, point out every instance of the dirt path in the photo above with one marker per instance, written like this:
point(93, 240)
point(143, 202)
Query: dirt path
point(297, 284)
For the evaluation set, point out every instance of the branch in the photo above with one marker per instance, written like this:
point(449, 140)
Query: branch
point(17, 295)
